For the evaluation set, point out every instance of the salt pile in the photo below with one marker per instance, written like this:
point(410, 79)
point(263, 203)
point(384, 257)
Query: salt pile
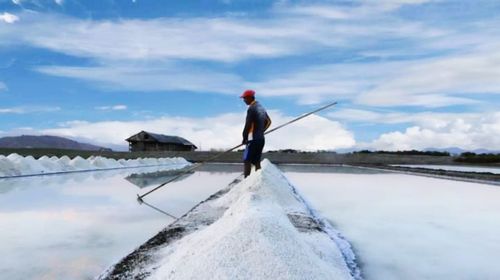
point(16, 165)
point(256, 228)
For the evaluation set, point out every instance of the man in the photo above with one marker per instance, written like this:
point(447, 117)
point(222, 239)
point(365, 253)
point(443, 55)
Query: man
point(257, 121)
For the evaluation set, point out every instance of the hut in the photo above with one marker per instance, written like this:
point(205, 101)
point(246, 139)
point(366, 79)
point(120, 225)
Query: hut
point(147, 141)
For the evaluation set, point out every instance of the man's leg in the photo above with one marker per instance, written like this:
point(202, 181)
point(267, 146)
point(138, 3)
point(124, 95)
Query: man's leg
point(257, 165)
point(247, 169)
point(259, 146)
point(246, 160)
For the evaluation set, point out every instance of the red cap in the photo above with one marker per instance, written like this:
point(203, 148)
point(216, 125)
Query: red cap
point(248, 93)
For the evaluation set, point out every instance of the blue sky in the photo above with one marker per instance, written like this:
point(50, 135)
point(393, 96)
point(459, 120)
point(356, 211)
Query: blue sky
point(408, 74)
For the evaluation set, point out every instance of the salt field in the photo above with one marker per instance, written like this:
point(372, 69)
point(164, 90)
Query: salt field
point(405, 226)
point(130, 132)
point(76, 225)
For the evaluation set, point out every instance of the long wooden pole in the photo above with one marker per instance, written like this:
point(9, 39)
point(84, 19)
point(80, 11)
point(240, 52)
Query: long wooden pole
point(197, 165)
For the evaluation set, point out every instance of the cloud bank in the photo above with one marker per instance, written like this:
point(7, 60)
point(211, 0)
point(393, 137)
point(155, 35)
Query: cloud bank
point(473, 132)
point(219, 132)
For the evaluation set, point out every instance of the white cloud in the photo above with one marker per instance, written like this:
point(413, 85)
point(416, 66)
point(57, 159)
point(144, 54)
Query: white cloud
point(439, 81)
point(323, 11)
point(28, 110)
point(8, 18)
point(119, 107)
point(226, 39)
point(434, 119)
point(480, 131)
point(318, 83)
point(114, 107)
point(358, 10)
point(214, 39)
point(219, 132)
point(17, 2)
point(11, 111)
point(59, 2)
point(167, 77)
point(389, 5)
point(3, 86)
point(151, 55)
point(433, 82)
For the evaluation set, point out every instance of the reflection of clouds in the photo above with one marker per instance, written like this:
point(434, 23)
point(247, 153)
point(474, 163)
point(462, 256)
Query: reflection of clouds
point(92, 240)
point(67, 215)
point(84, 239)
point(78, 268)
point(86, 219)
point(428, 226)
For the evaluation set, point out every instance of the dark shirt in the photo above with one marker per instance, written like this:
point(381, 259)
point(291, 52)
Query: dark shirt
point(257, 122)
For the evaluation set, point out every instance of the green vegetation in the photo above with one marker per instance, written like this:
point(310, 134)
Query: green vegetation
point(409, 153)
point(469, 157)
point(286, 151)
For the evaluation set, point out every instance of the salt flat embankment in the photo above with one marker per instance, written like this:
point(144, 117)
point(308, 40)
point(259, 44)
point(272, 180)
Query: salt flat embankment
point(235, 157)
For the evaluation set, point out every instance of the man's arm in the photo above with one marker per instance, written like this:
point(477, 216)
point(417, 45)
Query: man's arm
point(268, 122)
point(248, 125)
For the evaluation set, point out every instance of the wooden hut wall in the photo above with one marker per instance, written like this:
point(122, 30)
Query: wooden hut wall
point(155, 146)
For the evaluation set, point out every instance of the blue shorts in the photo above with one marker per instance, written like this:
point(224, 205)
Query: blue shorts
point(253, 151)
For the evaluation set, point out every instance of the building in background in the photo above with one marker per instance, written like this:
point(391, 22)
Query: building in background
point(146, 141)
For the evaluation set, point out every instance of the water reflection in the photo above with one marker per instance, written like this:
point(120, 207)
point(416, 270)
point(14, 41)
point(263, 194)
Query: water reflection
point(410, 227)
point(73, 226)
point(158, 209)
point(143, 180)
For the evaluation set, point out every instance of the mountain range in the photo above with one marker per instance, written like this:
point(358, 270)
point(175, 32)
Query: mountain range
point(46, 141)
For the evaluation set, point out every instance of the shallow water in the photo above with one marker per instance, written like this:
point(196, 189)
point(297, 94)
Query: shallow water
point(76, 225)
point(401, 226)
point(406, 226)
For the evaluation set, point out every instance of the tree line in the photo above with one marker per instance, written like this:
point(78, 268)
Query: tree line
point(469, 157)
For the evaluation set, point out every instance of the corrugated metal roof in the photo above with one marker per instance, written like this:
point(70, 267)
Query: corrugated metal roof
point(166, 139)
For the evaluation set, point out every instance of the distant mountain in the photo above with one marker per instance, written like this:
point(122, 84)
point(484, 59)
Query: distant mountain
point(46, 141)
point(451, 150)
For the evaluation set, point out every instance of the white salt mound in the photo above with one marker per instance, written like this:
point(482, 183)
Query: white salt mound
point(80, 163)
point(16, 165)
point(262, 230)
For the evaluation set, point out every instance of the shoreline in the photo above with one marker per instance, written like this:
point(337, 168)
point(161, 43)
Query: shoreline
point(473, 177)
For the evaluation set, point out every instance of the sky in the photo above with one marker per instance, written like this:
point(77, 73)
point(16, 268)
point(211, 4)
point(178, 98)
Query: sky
point(407, 74)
